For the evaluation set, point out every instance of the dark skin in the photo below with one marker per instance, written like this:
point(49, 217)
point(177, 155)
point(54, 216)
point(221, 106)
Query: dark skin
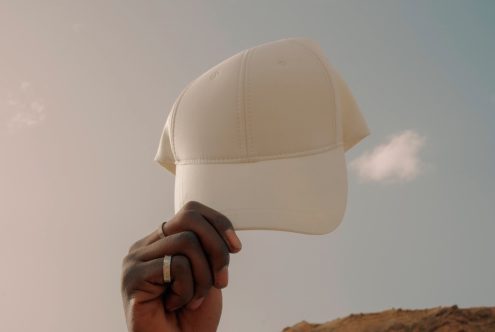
point(200, 239)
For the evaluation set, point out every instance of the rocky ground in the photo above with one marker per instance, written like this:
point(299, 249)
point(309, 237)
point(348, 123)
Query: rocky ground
point(441, 319)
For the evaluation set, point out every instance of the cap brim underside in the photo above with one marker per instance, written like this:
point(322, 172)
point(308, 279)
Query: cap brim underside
point(305, 194)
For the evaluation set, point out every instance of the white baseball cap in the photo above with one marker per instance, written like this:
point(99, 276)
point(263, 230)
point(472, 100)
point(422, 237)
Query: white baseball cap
point(261, 137)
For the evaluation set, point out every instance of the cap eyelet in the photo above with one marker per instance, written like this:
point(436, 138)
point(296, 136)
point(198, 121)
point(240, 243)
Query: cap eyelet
point(213, 75)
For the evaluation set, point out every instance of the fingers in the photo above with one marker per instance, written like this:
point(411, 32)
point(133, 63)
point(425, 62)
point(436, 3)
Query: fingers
point(201, 236)
point(186, 244)
point(181, 289)
point(144, 281)
point(220, 222)
point(215, 247)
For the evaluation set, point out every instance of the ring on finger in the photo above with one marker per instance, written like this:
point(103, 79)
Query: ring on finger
point(161, 233)
point(167, 260)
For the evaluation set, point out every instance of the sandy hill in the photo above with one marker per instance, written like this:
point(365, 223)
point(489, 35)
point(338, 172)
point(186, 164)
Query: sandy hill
point(441, 319)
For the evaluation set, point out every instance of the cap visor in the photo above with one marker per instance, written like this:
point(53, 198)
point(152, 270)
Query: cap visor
point(304, 194)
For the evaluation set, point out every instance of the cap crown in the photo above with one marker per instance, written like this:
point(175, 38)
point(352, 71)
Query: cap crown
point(279, 99)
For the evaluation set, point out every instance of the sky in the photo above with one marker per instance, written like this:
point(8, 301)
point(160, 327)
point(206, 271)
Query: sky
point(85, 89)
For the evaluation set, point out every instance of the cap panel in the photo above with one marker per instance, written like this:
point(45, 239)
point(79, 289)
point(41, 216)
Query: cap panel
point(279, 99)
point(207, 124)
point(352, 127)
point(290, 106)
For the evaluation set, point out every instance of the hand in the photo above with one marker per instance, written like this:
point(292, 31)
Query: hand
point(200, 241)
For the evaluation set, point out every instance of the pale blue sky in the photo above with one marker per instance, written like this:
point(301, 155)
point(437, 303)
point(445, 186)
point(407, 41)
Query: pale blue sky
point(85, 88)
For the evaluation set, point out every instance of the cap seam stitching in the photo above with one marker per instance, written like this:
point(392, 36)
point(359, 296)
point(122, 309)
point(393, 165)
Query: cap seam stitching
point(247, 108)
point(288, 208)
point(260, 158)
point(238, 107)
point(242, 106)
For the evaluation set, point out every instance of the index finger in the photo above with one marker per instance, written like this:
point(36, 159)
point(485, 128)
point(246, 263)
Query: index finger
point(220, 222)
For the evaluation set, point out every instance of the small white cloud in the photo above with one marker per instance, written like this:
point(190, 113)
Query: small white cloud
point(24, 119)
point(395, 161)
point(23, 109)
point(37, 106)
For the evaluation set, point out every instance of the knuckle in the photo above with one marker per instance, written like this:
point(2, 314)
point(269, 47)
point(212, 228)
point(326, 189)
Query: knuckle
point(130, 257)
point(187, 215)
point(124, 261)
point(189, 237)
point(192, 205)
point(134, 246)
point(129, 278)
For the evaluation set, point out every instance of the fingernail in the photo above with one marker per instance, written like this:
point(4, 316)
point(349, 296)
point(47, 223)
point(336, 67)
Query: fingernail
point(223, 277)
point(233, 239)
point(196, 303)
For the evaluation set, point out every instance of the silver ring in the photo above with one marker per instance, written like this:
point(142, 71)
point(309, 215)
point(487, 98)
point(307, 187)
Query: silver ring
point(166, 268)
point(160, 230)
